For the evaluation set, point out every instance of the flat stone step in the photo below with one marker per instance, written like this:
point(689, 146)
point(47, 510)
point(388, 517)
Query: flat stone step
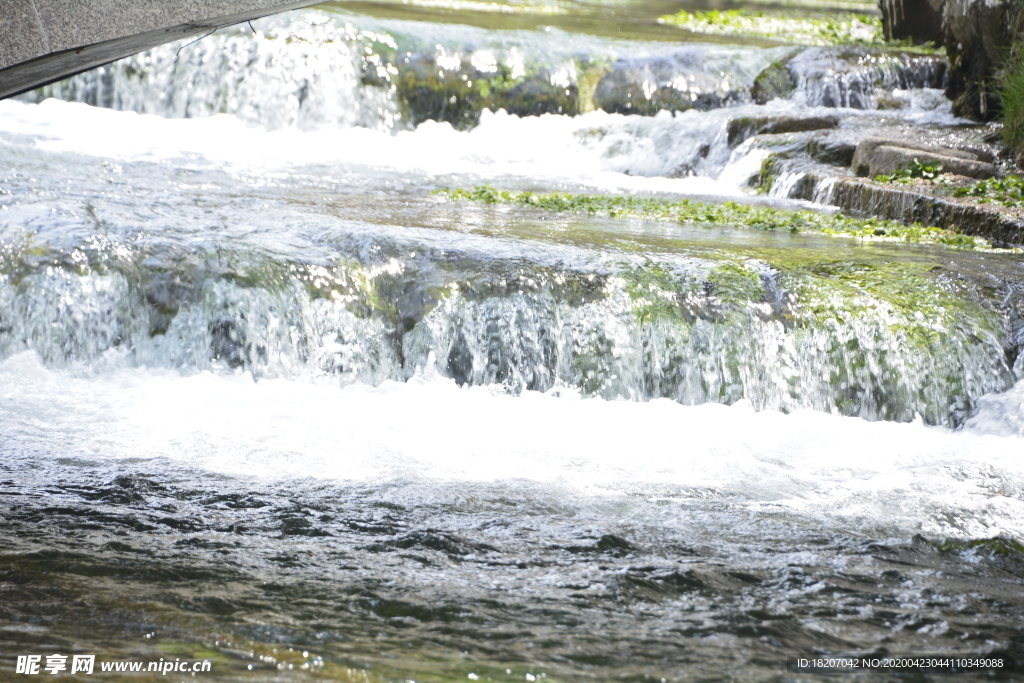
point(1002, 226)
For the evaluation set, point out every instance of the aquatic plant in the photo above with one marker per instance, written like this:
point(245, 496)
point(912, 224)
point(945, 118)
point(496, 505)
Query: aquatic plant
point(1006, 191)
point(916, 170)
point(728, 213)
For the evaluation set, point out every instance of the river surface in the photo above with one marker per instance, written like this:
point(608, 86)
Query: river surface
point(267, 400)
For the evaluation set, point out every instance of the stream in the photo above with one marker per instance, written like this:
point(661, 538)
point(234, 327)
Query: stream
point(269, 400)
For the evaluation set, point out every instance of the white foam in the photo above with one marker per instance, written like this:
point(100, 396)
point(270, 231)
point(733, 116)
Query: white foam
point(606, 151)
point(877, 477)
point(1001, 414)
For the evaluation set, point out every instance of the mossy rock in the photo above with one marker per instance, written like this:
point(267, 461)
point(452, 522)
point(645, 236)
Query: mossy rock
point(773, 83)
point(768, 173)
point(430, 91)
point(536, 95)
point(730, 213)
point(1000, 546)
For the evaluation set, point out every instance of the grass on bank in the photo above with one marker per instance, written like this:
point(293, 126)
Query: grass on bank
point(1011, 95)
point(729, 213)
point(1009, 81)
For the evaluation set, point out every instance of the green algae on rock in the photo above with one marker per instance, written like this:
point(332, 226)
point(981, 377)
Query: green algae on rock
point(845, 29)
point(728, 213)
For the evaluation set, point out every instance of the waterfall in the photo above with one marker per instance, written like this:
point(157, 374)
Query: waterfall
point(695, 331)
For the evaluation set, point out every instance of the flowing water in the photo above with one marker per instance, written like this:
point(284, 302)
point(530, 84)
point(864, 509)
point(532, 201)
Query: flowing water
point(267, 400)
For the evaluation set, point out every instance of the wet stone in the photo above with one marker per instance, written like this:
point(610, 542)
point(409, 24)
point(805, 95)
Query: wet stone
point(745, 127)
point(831, 150)
point(647, 86)
point(878, 156)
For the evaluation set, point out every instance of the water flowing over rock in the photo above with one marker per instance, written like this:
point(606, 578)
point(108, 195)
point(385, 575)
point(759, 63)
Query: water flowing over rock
point(324, 74)
point(851, 77)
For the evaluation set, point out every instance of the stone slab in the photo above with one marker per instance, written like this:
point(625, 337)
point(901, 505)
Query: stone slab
point(21, 37)
point(744, 127)
point(866, 150)
point(887, 160)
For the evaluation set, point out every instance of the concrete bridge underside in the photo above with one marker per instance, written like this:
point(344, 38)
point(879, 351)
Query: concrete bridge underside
point(42, 41)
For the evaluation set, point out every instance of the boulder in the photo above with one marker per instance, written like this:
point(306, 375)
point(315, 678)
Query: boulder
point(978, 35)
point(772, 83)
point(918, 20)
point(434, 91)
point(832, 151)
point(647, 85)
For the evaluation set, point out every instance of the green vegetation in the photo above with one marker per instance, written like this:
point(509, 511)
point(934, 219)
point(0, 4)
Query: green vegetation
point(766, 175)
point(1009, 83)
point(914, 171)
point(729, 213)
point(914, 326)
point(1006, 191)
point(999, 546)
point(1010, 88)
point(837, 29)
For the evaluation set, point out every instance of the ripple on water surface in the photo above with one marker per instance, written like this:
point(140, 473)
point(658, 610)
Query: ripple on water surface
point(419, 522)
